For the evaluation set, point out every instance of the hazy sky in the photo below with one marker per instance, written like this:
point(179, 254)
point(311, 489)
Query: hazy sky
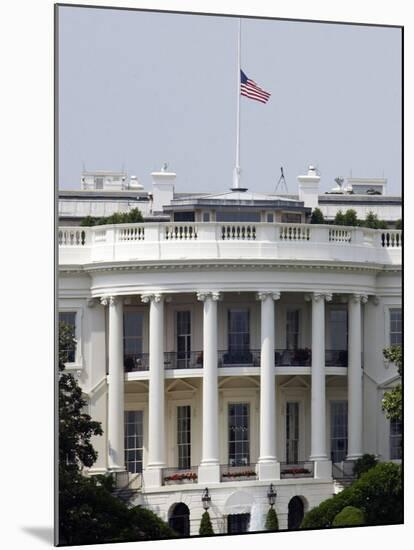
point(137, 89)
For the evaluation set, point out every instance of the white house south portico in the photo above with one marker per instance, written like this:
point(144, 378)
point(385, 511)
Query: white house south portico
point(229, 354)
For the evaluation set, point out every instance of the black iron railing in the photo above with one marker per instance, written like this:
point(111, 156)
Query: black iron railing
point(238, 473)
point(183, 360)
point(236, 358)
point(293, 357)
point(135, 362)
point(336, 358)
point(299, 469)
point(172, 476)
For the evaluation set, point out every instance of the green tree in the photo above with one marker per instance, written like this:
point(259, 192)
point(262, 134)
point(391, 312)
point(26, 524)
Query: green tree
point(271, 523)
point(363, 464)
point(88, 512)
point(317, 216)
point(378, 493)
point(398, 224)
point(206, 528)
point(349, 516)
point(372, 221)
point(133, 216)
point(351, 218)
point(392, 400)
point(75, 426)
point(339, 218)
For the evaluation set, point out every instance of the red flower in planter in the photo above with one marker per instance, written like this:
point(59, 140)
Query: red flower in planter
point(296, 471)
point(180, 477)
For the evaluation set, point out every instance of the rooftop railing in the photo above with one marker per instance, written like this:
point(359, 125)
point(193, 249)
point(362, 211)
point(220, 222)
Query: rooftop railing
point(215, 240)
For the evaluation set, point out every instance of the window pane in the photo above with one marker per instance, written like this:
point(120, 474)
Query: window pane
point(239, 436)
point(338, 319)
point(133, 440)
point(339, 430)
point(69, 352)
point(395, 327)
point(184, 436)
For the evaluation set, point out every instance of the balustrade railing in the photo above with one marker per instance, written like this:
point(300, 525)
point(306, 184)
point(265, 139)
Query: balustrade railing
point(340, 235)
point(244, 472)
point(298, 469)
point(71, 236)
point(183, 360)
point(180, 232)
point(135, 362)
point(290, 232)
point(239, 232)
point(237, 358)
point(391, 239)
point(131, 233)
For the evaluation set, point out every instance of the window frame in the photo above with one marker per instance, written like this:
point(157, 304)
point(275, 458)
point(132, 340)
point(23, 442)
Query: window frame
point(78, 310)
point(395, 437)
point(136, 448)
point(177, 432)
point(233, 402)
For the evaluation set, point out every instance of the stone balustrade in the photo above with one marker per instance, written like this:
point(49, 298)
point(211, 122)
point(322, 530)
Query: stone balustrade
point(212, 241)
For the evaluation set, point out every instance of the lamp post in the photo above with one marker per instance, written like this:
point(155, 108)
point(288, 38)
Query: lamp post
point(271, 496)
point(206, 499)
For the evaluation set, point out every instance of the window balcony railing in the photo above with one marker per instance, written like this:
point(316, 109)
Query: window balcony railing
point(238, 473)
point(183, 360)
point(239, 358)
point(336, 358)
point(293, 357)
point(136, 362)
point(298, 469)
point(179, 476)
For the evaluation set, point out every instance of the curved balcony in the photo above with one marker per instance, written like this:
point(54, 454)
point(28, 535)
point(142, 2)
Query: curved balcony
point(155, 242)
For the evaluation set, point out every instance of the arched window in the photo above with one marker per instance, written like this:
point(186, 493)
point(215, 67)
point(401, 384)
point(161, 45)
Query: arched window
point(179, 519)
point(295, 513)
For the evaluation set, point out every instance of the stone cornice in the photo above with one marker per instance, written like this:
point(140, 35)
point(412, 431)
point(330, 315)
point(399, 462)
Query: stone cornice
point(274, 265)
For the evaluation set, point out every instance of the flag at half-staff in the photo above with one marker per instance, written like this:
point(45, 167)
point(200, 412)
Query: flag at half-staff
point(250, 89)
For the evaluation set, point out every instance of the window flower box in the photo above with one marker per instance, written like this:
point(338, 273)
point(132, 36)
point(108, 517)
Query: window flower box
point(182, 478)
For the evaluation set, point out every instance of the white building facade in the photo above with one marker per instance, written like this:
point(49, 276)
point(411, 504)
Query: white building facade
point(232, 352)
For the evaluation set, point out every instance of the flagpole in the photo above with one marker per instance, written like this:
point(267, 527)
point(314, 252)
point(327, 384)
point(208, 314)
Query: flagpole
point(236, 175)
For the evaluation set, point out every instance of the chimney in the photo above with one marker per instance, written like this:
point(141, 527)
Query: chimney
point(309, 188)
point(163, 188)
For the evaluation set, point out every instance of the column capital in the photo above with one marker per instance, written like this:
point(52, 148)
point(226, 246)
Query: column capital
point(152, 297)
point(319, 296)
point(375, 300)
point(204, 294)
point(109, 300)
point(362, 298)
point(263, 294)
point(91, 302)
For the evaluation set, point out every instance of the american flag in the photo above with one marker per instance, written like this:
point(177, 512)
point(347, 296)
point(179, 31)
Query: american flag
point(250, 89)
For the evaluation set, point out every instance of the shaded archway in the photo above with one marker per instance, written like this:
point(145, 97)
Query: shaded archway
point(296, 511)
point(179, 519)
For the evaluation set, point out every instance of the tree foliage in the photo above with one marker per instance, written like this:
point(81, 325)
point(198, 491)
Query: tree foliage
point(272, 523)
point(392, 400)
point(133, 216)
point(378, 493)
point(372, 221)
point(349, 516)
point(317, 216)
point(206, 528)
point(88, 512)
point(363, 464)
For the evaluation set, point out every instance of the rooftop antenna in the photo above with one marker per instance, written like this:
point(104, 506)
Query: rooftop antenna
point(281, 182)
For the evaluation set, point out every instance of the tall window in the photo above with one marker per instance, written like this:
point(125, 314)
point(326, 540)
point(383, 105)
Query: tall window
point(69, 317)
point(338, 319)
point(239, 434)
point(395, 327)
point(183, 338)
point(184, 436)
point(292, 432)
point(292, 329)
point(134, 440)
point(238, 333)
point(133, 339)
point(395, 439)
point(339, 430)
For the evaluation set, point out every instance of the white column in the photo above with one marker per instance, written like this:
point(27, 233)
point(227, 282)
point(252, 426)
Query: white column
point(318, 392)
point(156, 407)
point(209, 470)
point(355, 413)
point(116, 458)
point(268, 466)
